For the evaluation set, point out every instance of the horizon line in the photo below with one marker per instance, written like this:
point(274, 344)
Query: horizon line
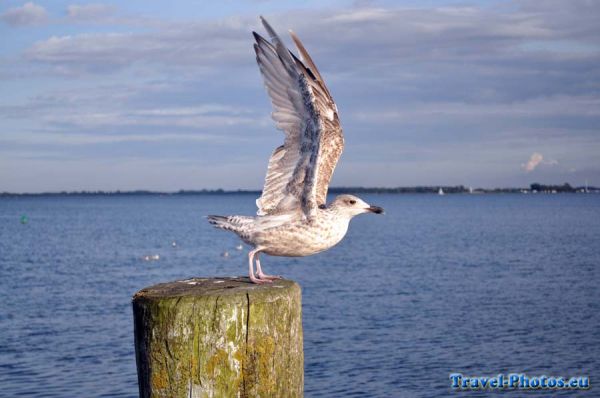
point(565, 187)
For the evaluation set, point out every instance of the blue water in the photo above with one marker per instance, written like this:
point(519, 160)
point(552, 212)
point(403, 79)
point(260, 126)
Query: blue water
point(478, 284)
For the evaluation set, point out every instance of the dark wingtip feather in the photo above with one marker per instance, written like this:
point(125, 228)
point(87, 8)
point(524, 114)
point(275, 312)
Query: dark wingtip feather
point(268, 27)
point(261, 40)
point(306, 58)
point(278, 46)
point(304, 68)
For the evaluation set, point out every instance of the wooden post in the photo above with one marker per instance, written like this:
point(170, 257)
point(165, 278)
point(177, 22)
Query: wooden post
point(219, 337)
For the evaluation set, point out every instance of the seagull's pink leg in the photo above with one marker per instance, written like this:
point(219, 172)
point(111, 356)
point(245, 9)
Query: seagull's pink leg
point(262, 276)
point(253, 278)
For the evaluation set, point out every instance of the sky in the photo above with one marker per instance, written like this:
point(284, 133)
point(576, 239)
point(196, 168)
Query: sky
point(167, 95)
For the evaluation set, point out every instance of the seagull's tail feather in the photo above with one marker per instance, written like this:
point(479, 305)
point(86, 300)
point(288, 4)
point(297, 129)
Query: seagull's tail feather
point(237, 224)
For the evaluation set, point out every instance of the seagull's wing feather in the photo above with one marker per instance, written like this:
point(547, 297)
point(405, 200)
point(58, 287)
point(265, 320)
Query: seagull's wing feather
point(332, 139)
point(299, 171)
point(308, 60)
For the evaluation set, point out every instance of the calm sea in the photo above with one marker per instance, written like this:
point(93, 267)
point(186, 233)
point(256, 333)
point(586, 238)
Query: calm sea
point(460, 283)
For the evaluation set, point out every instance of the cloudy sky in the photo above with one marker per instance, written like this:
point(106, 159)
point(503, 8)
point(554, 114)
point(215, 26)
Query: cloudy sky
point(167, 95)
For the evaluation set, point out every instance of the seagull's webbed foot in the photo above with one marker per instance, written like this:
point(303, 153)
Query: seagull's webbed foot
point(259, 281)
point(261, 275)
point(269, 278)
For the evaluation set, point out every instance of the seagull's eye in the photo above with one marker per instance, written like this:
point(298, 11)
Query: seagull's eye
point(352, 202)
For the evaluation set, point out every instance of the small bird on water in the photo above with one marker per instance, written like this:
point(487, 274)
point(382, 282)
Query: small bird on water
point(293, 219)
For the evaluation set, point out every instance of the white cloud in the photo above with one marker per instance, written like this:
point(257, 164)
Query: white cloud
point(89, 12)
point(537, 159)
point(70, 139)
point(571, 106)
point(90, 119)
point(534, 161)
point(187, 45)
point(28, 14)
point(67, 111)
point(365, 41)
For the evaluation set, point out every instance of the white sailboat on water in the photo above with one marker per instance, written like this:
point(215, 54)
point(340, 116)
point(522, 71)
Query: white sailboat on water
point(441, 191)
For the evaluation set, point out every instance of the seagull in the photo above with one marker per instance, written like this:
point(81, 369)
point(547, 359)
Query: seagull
point(293, 219)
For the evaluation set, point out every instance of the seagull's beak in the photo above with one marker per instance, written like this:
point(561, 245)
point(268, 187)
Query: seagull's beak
point(375, 209)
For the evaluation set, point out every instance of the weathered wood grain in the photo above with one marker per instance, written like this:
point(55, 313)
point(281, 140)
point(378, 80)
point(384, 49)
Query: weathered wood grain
point(219, 337)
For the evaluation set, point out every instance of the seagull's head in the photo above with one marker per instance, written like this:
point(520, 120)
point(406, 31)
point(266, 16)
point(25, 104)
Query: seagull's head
point(351, 206)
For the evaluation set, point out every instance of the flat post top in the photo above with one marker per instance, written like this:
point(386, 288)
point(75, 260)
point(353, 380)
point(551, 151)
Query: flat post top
point(214, 286)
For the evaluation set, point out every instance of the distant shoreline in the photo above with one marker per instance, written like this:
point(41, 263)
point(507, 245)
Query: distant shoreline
point(457, 189)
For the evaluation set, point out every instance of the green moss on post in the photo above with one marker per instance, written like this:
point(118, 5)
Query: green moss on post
point(219, 337)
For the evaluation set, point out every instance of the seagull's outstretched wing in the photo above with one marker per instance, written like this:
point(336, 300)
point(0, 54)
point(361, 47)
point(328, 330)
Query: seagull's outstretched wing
point(300, 170)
